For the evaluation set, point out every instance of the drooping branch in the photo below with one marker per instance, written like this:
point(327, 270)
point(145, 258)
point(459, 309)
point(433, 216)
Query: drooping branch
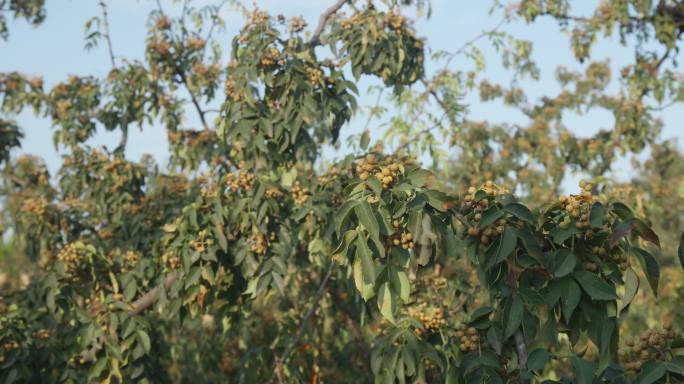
point(323, 20)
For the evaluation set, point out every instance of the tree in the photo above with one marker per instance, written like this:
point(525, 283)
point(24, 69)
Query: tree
point(252, 258)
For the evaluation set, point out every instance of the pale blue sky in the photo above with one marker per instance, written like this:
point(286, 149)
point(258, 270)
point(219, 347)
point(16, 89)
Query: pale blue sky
point(55, 49)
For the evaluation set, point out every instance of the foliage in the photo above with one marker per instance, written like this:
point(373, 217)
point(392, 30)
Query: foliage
point(253, 258)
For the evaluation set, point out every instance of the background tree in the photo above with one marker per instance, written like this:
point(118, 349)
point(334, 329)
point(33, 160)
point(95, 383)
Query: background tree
point(252, 257)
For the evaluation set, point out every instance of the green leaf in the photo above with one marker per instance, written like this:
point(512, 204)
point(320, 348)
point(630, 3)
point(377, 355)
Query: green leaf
point(570, 297)
point(537, 359)
point(365, 139)
point(130, 290)
point(437, 200)
point(620, 230)
point(631, 288)
point(565, 262)
point(374, 185)
point(480, 312)
point(645, 231)
point(343, 214)
point(622, 211)
point(418, 177)
point(367, 218)
point(520, 211)
point(364, 269)
point(651, 372)
point(677, 343)
point(144, 340)
point(676, 365)
point(340, 253)
point(400, 284)
point(490, 216)
point(596, 215)
point(386, 302)
point(650, 266)
point(584, 370)
point(513, 317)
point(509, 238)
point(594, 286)
point(559, 234)
point(680, 251)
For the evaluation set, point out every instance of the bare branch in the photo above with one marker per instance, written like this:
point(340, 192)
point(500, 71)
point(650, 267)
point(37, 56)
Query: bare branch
point(323, 20)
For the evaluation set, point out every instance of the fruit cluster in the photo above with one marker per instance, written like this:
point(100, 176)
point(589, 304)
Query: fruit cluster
point(431, 317)
point(36, 206)
point(73, 255)
point(10, 346)
point(386, 171)
point(229, 89)
point(195, 43)
point(314, 75)
point(257, 243)
point(577, 207)
point(487, 233)
point(243, 180)
point(171, 260)
point(42, 334)
point(469, 340)
point(160, 47)
point(394, 21)
point(202, 241)
point(490, 189)
point(270, 57)
point(297, 24)
point(350, 22)
point(329, 178)
point(300, 194)
point(163, 23)
point(651, 345)
point(273, 193)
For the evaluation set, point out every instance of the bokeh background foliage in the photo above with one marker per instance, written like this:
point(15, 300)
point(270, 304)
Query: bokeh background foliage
point(276, 246)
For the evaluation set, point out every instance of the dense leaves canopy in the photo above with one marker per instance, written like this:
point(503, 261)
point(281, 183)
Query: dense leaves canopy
point(252, 257)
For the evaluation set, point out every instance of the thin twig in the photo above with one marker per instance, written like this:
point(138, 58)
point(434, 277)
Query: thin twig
point(323, 20)
point(107, 36)
point(214, 19)
point(475, 39)
point(282, 359)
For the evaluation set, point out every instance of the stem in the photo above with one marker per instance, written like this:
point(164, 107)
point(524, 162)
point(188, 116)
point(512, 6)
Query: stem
point(105, 19)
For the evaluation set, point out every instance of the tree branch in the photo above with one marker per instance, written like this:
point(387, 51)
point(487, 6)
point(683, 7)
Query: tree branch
point(521, 351)
point(181, 74)
point(323, 20)
point(148, 299)
point(137, 307)
point(105, 19)
point(282, 359)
